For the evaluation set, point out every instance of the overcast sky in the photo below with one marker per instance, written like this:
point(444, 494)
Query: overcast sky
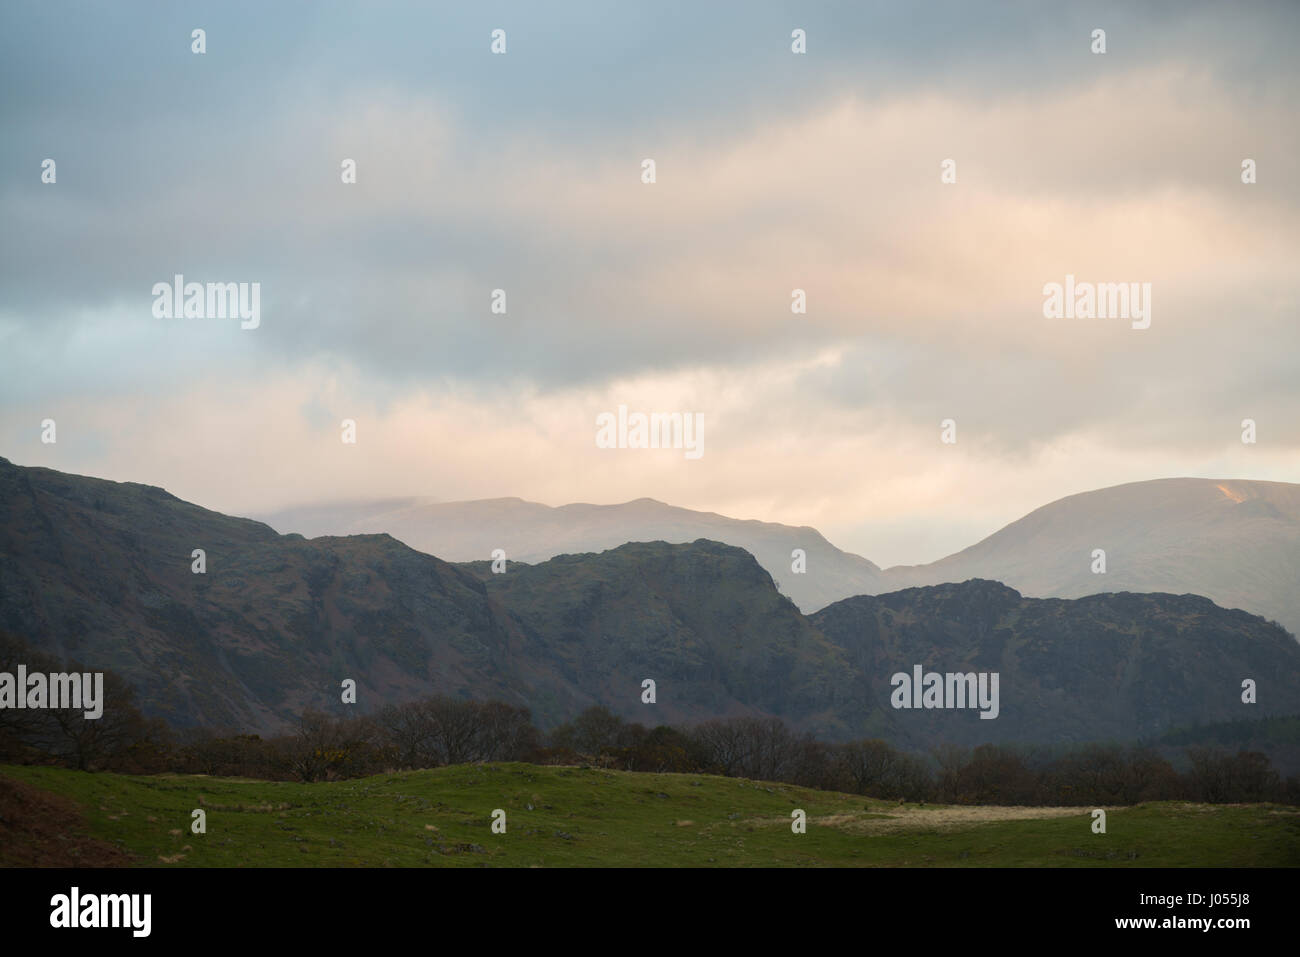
point(775, 171)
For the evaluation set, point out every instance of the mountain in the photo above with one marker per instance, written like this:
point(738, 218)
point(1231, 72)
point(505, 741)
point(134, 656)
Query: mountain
point(1235, 542)
point(703, 620)
point(102, 571)
point(529, 532)
point(1105, 667)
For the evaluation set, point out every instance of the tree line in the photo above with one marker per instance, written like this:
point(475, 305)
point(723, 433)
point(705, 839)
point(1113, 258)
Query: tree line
point(441, 730)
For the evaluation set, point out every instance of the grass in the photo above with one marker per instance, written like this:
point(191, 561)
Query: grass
point(575, 817)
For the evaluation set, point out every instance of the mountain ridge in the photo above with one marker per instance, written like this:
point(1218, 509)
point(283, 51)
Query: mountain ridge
point(1236, 541)
point(102, 572)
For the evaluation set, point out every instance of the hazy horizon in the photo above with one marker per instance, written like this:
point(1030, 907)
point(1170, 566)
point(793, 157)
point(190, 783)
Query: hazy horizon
point(268, 514)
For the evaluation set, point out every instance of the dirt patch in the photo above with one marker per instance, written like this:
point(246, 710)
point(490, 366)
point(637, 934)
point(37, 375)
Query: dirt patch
point(932, 818)
point(42, 829)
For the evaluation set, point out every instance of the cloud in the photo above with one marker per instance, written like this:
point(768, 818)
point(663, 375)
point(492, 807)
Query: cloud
point(774, 173)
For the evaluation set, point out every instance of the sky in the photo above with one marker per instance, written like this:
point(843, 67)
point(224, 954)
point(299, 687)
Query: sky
point(774, 171)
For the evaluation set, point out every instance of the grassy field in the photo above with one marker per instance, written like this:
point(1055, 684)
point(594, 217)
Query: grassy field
point(575, 817)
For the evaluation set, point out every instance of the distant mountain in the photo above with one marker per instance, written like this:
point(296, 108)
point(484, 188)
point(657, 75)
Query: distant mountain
point(529, 532)
point(1235, 542)
point(101, 571)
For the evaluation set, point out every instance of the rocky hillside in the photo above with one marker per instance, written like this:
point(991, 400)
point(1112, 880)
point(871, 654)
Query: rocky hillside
point(1111, 666)
point(102, 572)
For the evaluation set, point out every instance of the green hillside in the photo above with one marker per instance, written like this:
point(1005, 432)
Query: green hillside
point(574, 817)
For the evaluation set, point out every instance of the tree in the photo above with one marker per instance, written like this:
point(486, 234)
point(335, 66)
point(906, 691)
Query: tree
point(591, 732)
point(950, 758)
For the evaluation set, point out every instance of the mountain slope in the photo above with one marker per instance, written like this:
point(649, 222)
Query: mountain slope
point(101, 571)
point(702, 620)
point(1235, 542)
point(1110, 666)
point(529, 532)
